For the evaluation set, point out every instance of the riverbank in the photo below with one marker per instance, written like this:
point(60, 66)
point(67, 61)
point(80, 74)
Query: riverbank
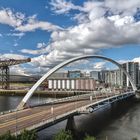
point(52, 94)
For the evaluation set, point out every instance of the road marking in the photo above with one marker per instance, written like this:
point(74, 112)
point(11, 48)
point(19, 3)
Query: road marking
point(19, 120)
point(29, 117)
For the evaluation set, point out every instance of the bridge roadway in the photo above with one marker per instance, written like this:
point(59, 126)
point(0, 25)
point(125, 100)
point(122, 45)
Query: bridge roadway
point(36, 117)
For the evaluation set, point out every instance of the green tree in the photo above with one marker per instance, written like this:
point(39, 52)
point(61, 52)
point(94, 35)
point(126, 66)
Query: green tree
point(7, 136)
point(27, 135)
point(89, 138)
point(63, 135)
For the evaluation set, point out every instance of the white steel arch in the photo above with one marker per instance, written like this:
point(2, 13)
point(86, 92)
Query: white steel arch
point(37, 84)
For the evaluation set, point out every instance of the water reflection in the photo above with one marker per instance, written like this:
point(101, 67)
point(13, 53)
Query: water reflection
point(11, 102)
point(119, 121)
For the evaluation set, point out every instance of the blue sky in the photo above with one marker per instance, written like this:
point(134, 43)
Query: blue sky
point(51, 31)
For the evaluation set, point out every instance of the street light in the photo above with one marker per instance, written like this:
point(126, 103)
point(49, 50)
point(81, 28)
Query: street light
point(16, 121)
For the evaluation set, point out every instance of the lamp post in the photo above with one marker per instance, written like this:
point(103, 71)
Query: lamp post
point(16, 122)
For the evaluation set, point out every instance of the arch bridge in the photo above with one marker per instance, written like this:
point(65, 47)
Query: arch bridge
point(48, 114)
point(45, 76)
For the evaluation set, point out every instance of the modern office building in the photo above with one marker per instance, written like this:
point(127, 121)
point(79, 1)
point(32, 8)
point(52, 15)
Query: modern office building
point(117, 77)
point(96, 75)
point(113, 77)
point(74, 74)
point(133, 69)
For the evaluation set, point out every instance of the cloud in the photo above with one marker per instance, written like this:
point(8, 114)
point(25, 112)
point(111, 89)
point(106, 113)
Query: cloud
point(33, 52)
point(15, 44)
point(122, 21)
point(62, 6)
point(90, 38)
point(123, 61)
point(97, 30)
point(10, 18)
point(125, 7)
point(16, 34)
point(42, 48)
point(12, 56)
point(137, 59)
point(22, 23)
point(42, 25)
point(33, 24)
point(41, 45)
point(18, 70)
point(99, 65)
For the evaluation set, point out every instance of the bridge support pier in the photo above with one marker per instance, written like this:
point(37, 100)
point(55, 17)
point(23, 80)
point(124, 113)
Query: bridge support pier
point(137, 94)
point(71, 124)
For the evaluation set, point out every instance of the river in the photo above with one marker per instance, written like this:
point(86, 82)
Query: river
point(118, 122)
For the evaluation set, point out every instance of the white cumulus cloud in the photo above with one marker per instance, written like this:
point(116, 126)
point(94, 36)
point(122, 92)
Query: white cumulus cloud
point(7, 16)
point(43, 25)
point(62, 6)
point(99, 65)
point(20, 22)
point(93, 32)
point(11, 56)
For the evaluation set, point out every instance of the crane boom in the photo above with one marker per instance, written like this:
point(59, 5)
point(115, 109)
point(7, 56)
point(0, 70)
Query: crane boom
point(4, 67)
point(10, 62)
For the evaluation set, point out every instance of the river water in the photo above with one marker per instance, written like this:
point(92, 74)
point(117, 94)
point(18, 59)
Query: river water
point(120, 121)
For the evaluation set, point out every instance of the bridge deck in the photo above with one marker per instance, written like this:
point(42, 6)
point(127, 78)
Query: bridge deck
point(28, 118)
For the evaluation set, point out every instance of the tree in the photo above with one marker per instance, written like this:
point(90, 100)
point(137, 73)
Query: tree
point(27, 135)
point(7, 136)
point(89, 138)
point(63, 135)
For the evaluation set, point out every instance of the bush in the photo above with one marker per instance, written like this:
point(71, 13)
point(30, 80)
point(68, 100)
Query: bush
point(63, 135)
point(25, 135)
point(7, 136)
point(89, 138)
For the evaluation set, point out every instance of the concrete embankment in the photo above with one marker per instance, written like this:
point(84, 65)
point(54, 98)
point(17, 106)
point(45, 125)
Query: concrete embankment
point(55, 94)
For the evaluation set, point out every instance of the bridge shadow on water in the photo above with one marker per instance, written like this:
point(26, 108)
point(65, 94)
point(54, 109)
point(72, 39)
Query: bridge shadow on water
point(95, 123)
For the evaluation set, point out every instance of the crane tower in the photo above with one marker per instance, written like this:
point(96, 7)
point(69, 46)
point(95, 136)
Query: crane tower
point(4, 68)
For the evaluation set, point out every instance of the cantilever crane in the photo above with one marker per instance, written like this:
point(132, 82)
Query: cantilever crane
point(4, 67)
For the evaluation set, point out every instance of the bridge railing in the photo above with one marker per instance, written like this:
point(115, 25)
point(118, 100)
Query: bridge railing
point(78, 97)
point(75, 111)
point(94, 94)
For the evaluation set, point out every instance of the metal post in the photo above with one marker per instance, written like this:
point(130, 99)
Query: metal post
point(107, 96)
point(5, 77)
point(90, 98)
point(52, 110)
point(16, 123)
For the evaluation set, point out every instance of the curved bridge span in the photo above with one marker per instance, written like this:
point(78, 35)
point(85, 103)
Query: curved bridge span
point(38, 83)
point(47, 114)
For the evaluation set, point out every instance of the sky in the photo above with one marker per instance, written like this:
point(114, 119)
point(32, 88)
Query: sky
point(51, 31)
